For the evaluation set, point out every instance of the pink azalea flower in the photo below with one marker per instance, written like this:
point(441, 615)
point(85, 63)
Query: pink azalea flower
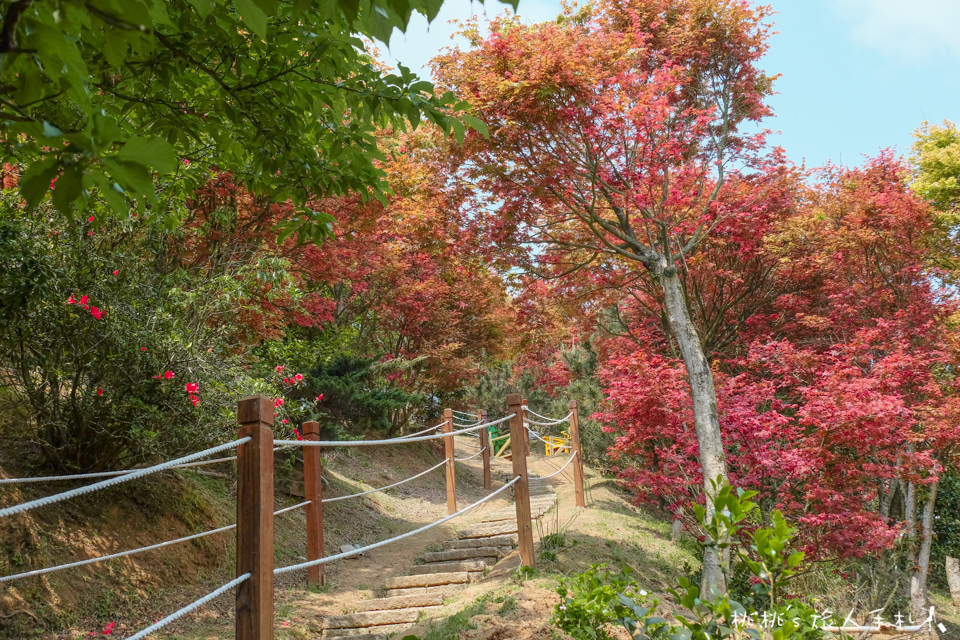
point(194, 400)
point(71, 300)
point(297, 433)
point(143, 348)
point(279, 368)
point(99, 391)
point(168, 375)
point(191, 387)
point(90, 219)
point(319, 397)
point(116, 272)
point(278, 402)
point(96, 313)
point(109, 629)
point(83, 301)
point(286, 381)
point(298, 377)
point(284, 421)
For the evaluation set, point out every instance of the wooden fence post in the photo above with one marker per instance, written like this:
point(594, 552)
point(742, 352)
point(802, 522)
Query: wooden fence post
point(448, 447)
point(313, 491)
point(526, 434)
point(254, 611)
point(575, 448)
point(521, 490)
point(485, 446)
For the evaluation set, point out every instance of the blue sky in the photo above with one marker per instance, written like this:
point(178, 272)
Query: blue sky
point(857, 75)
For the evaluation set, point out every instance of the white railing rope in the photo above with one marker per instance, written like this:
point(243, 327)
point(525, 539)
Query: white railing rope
point(417, 433)
point(567, 464)
point(104, 474)
point(389, 486)
point(26, 506)
point(465, 413)
point(375, 545)
point(160, 624)
point(551, 423)
point(360, 443)
point(471, 457)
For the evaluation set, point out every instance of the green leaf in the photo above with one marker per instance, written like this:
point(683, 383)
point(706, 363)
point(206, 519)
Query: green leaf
point(151, 152)
point(476, 124)
point(253, 16)
point(67, 189)
point(36, 180)
point(132, 176)
point(203, 7)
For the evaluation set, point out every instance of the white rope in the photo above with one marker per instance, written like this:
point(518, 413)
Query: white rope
point(389, 486)
point(572, 456)
point(121, 554)
point(26, 506)
point(104, 474)
point(360, 443)
point(466, 424)
point(549, 424)
point(187, 609)
point(466, 413)
point(536, 435)
point(375, 545)
point(428, 430)
point(130, 552)
point(471, 457)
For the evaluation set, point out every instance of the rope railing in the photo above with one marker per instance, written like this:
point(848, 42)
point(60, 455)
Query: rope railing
point(543, 417)
point(470, 457)
point(130, 552)
point(360, 443)
point(160, 624)
point(558, 471)
point(465, 413)
point(417, 433)
point(376, 545)
point(389, 486)
point(549, 424)
point(103, 474)
point(72, 493)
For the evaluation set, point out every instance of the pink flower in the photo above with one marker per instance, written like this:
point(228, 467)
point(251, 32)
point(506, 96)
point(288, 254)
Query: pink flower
point(191, 387)
point(278, 402)
point(71, 300)
point(284, 421)
point(319, 397)
point(298, 377)
point(53, 184)
point(99, 391)
point(279, 368)
point(116, 272)
point(83, 301)
point(168, 375)
point(143, 348)
point(90, 219)
point(210, 350)
point(186, 162)
point(194, 400)
point(109, 629)
point(297, 433)
point(286, 381)
point(96, 313)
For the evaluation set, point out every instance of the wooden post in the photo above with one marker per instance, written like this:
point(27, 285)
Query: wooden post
point(521, 490)
point(254, 615)
point(526, 434)
point(448, 447)
point(313, 491)
point(575, 449)
point(485, 445)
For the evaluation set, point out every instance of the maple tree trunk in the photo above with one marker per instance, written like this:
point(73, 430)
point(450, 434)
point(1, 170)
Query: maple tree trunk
point(918, 581)
point(953, 579)
point(705, 416)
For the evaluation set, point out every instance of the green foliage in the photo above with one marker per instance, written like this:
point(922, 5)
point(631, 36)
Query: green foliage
point(936, 155)
point(106, 96)
point(590, 602)
point(946, 525)
point(93, 318)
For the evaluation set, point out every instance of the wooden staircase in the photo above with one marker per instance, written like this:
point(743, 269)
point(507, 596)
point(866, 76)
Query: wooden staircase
point(440, 575)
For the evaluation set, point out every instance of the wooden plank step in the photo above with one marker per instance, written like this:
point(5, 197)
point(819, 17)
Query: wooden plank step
point(470, 566)
point(442, 590)
point(400, 602)
point(381, 632)
point(427, 580)
point(461, 554)
point(501, 542)
point(488, 530)
point(372, 619)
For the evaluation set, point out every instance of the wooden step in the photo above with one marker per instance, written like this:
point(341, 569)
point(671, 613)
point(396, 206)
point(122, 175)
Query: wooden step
point(381, 632)
point(400, 602)
point(461, 554)
point(488, 530)
point(427, 580)
point(372, 619)
point(442, 590)
point(470, 566)
point(501, 542)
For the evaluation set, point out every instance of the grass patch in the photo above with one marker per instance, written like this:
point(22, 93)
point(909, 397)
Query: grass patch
point(458, 622)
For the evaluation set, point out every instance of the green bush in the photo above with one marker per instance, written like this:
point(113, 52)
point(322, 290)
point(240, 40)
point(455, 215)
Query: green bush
point(590, 602)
